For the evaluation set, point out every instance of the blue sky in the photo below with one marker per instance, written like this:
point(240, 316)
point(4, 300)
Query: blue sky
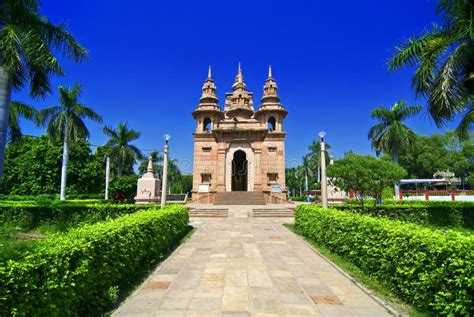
point(148, 60)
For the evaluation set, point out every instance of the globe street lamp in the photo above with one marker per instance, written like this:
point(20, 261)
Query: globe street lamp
point(324, 185)
point(165, 171)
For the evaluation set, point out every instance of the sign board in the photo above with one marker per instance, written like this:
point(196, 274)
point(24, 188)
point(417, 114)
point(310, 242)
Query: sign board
point(276, 188)
point(203, 188)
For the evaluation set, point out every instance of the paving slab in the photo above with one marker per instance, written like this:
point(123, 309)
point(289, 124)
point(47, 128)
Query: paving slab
point(247, 267)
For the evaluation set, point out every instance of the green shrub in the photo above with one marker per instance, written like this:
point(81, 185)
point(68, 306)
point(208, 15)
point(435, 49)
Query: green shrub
point(127, 184)
point(430, 269)
point(80, 273)
point(298, 198)
point(441, 214)
point(30, 215)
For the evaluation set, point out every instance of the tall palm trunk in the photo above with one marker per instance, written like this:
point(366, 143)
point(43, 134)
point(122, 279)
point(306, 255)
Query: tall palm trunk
point(5, 92)
point(306, 181)
point(395, 159)
point(64, 168)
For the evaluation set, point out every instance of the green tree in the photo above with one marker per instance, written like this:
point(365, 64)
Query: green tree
point(443, 57)
point(126, 185)
point(314, 157)
point(65, 123)
point(33, 165)
point(293, 183)
point(19, 110)
point(27, 42)
point(440, 152)
point(390, 135)
point(122, 153)
point(365, 175)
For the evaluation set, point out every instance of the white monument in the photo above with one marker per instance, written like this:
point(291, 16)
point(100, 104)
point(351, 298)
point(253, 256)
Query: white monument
point(148, 186)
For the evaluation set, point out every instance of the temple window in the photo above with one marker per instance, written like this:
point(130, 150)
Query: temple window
point(207, 125)
point(272, 177)
point(206, 178)
point(271, 124)
point(206, 150)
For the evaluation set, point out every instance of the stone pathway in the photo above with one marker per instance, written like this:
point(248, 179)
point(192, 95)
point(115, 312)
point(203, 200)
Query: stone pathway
point(247, 267)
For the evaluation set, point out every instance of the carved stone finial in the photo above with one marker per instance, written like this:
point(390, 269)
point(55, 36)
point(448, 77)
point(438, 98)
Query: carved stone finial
point(239, 80)
point(269, 71)
point(149, 168)
point(209, 72)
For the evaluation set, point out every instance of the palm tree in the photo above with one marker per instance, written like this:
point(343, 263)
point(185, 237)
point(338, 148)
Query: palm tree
point(65, 123)
point(122, 153)
point(390, 135)
point(174, 174)
point(19, 110)
point(444, 57)
point(27, 43)
point(315, 156)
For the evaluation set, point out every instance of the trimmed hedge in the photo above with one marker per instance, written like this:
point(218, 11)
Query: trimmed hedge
point(441, 214)
point(30, 215)
point(80, 273)
point(431, 269)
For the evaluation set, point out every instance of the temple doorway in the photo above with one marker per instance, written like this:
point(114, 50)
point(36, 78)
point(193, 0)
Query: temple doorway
point(239, 171)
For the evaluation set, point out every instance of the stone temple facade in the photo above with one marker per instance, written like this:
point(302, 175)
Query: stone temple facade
point(238, 148)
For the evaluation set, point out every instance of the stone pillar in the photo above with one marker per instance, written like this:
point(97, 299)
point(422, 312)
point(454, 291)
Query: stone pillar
point(220, 186)
point(257, 169)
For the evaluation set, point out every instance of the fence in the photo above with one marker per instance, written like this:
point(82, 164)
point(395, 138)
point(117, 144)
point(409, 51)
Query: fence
point(437, 195)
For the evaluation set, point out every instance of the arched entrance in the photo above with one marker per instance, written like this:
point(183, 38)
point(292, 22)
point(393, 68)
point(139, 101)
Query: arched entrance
point(239, 171)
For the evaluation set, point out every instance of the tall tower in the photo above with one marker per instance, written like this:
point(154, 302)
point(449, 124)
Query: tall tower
point(208, 112)
point(271, 111)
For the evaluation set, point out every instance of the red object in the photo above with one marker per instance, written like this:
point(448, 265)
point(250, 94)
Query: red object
point(427, 195)
point(453, 196)
point(351, 193)
point(401, 195)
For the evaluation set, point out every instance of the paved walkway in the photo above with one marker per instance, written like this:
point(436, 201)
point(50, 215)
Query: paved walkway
point(247, 267)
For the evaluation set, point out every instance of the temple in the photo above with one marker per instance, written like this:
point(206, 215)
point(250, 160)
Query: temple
point(239, 149)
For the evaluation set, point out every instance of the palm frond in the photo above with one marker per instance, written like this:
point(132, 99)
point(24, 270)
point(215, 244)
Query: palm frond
point(410, 52)
point(465, 126)
point(448, 95)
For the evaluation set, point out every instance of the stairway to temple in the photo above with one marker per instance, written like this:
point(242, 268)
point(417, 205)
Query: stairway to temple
point(208, 212)
point(273, 212)
point(239, 198)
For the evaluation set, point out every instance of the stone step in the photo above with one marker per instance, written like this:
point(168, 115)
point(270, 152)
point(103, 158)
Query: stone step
point(209, 212)
point(239, 198)
point(276, 212)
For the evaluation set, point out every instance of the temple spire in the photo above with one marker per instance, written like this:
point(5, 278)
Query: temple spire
point(270, 89)
point(239, 80)
point(209, 89)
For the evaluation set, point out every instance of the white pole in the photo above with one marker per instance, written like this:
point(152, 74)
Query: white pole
point(107, 174)
point(324, 190)
point(62, 195)
point(164, 184)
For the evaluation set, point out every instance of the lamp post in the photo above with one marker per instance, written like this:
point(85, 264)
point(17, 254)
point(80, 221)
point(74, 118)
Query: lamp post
point(164, 182)
point(107, 175)
point(324, 185)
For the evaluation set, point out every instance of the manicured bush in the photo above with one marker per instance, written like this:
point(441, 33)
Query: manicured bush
point(431, 269)
point(442, 214)
point(81, 272)
point(30, 215)
point(298, 198)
